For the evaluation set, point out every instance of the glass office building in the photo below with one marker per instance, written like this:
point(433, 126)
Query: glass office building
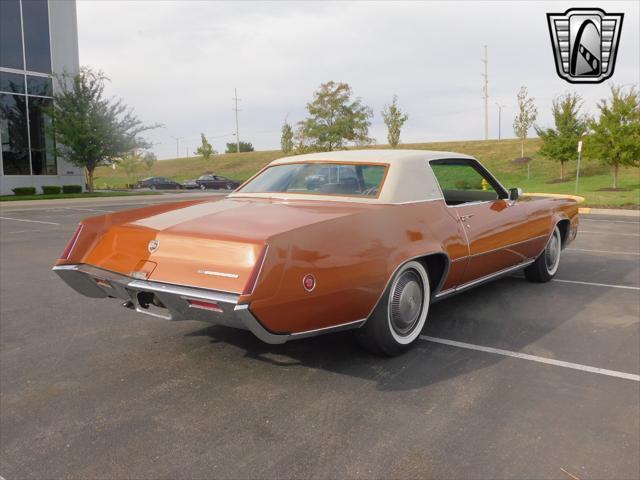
point(38, 39)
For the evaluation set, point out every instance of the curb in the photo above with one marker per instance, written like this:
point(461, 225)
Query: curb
point(610, 211)
point(588, 210)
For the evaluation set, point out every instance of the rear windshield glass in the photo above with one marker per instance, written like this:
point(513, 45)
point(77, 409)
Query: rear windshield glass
point(319, 178)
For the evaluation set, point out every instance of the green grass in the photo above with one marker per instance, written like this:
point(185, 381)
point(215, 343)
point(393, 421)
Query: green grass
point(496, 155)
point(13, 198)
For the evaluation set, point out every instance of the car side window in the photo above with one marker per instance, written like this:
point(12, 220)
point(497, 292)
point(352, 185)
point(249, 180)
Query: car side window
point(461, 182)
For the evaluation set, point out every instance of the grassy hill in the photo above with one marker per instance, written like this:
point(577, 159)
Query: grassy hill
point(496, 155)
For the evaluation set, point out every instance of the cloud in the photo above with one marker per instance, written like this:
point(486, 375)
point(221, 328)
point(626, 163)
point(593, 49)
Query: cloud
point(178, 63)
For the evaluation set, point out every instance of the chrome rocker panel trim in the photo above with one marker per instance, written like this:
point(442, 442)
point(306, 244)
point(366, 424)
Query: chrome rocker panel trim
point(482, 280)
point(84, 279)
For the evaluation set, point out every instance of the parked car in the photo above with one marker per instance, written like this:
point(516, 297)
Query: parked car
point(190, 185)
point(210, 181)
point(158, 183)
point(369, 251)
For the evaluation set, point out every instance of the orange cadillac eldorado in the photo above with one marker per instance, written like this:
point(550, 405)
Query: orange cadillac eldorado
point(316, 243)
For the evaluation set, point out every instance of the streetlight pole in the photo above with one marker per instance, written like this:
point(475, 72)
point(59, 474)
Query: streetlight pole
point(236, 99)
point(578, 166)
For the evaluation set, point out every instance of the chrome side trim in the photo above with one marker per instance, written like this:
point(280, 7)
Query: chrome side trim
point(252, 324)
point(331, 329)
point(486, 278)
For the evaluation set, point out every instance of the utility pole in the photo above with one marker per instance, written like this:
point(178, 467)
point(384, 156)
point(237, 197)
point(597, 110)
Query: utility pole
point(236, 100)
point(485, 94)
point(499, 120)
point(177, 145)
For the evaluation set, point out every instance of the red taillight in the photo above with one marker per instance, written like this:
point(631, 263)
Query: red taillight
point(255, 273)
point(71, 243)
point(202, 305)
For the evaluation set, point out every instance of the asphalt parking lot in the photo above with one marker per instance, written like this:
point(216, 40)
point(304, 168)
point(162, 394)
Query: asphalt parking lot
point(510, 380)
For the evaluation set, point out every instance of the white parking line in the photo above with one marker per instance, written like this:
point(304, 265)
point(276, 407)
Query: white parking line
point(600, 251)
point(596, 284)
point(533, 358)
point(91, 210)
point(607, 221)
point(611, 233)
point(28, 221)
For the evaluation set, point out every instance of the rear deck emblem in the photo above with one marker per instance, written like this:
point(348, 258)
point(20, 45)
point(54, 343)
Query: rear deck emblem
point(153, 245)
point(309, 282)
point(585, 43)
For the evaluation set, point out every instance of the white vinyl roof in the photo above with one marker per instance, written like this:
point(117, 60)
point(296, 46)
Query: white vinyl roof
point(409, 178)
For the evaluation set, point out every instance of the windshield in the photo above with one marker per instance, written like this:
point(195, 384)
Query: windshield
point(320, 178)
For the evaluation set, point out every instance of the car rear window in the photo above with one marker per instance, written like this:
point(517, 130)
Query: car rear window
point(320, 178)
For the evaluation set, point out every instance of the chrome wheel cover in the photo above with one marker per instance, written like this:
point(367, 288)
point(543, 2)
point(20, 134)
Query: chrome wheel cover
point(552, 252)
point(408, 302)
point(405, 302)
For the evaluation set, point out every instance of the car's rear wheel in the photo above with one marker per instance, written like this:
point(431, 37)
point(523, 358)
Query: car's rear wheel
point(203, 186)
point(400, 314)
point(228, 186)
point(546, 265)
point(152, 187)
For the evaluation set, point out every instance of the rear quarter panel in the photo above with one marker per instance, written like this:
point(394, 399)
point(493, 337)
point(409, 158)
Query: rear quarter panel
point(352, 258)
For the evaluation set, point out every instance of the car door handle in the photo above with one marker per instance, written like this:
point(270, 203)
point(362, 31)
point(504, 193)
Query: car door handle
point(464, 218)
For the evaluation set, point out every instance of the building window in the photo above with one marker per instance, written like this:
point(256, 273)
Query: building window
point(14, 134)
point(10, 35)
point(11, 82)
point(43, 159)
point(25, 98)
point(40, 86)
point(37, 49)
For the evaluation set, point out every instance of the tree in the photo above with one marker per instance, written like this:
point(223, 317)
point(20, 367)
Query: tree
point(205, 149)
point(394, 119)
point(130, 163)
point(561, 143)
point(615, 136)
point(92, 130)
point(525, 118)
point(286, 139)
point(335, 118)
point(244, 147)
point(149, 159)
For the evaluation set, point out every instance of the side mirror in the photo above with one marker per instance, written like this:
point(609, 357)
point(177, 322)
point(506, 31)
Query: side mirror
point(515, 193)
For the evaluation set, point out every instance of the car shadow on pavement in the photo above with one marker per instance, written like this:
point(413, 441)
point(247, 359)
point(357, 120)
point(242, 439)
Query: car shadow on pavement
point(509, 313)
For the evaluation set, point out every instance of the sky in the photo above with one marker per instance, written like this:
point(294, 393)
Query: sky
point(178, 63)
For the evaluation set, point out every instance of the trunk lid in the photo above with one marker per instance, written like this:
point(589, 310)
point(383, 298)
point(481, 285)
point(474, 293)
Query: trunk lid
point(212, 244)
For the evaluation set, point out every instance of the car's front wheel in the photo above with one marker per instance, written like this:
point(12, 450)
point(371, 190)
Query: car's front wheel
point(546, 265)
point(203, 186)
point(399, 317)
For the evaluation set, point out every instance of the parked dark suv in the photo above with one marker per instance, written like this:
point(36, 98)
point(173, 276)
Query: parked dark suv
point(159, 183)
point(216, 182)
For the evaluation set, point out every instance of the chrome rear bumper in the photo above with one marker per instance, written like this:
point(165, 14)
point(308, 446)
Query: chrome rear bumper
point(98, 283)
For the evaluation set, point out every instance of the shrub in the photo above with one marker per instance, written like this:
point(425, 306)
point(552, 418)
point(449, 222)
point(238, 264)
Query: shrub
point(72, 189)
point(51, 189)
point(24, 191)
